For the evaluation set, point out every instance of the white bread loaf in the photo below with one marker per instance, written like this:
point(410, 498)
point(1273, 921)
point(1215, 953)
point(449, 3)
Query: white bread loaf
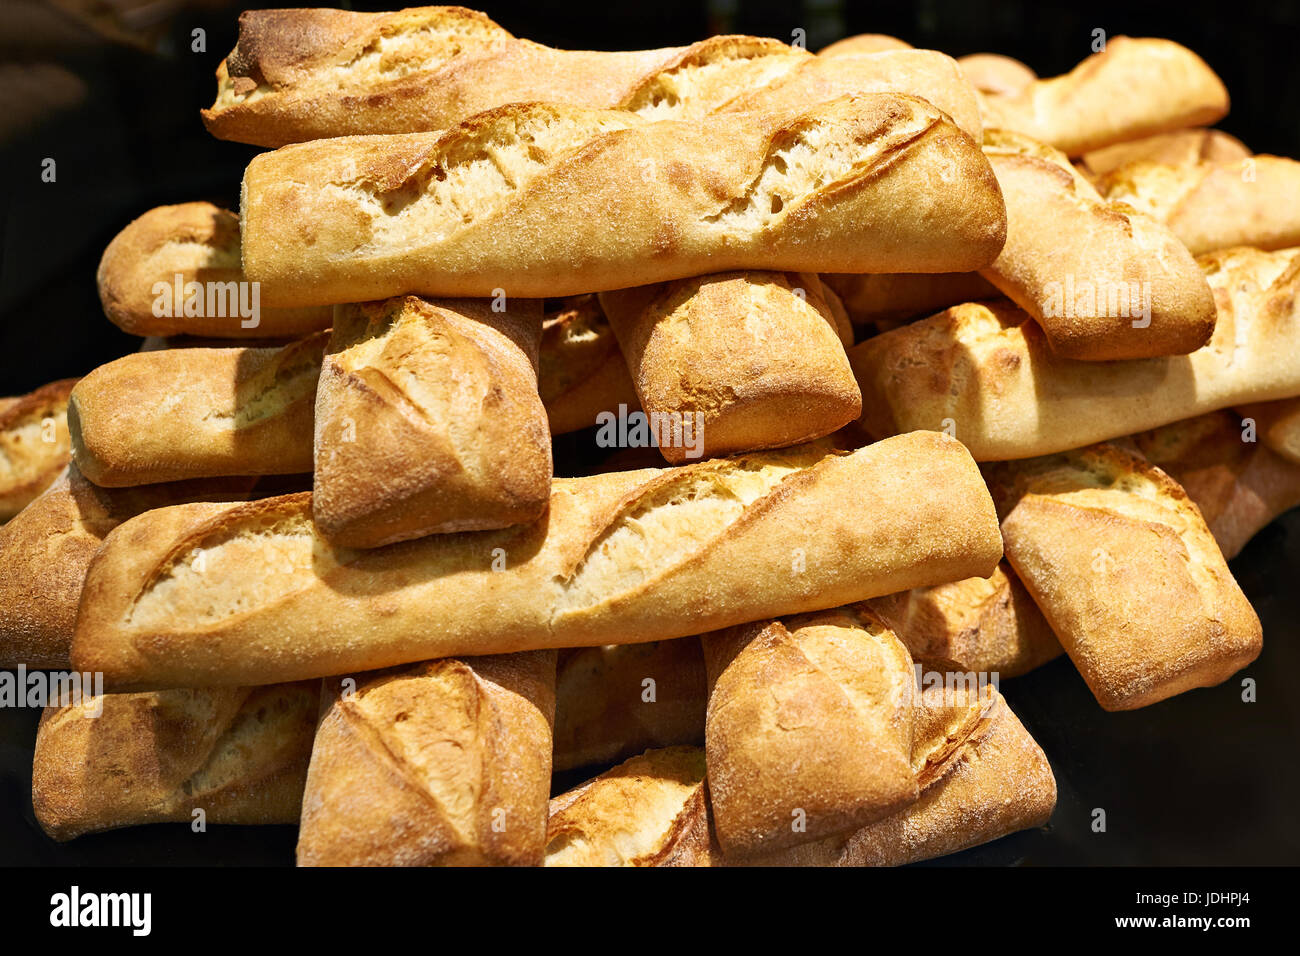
point(984, 371)
point(229, 593)
point(540, 200)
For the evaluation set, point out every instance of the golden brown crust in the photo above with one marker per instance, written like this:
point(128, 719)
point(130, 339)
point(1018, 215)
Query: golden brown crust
point(1123, 567)
point(428, 420)
point(619, 700)
point(362, 218)
point(200, 243)
point(650, 810)
point(927, 74)
point(239, 754)
point(34, 444)
point(982, 776)
point(1278, 425)
point(996, 74)
point(982, 625)
point(747, 360)
point(985, 373)
point(864, 43)
point(581, 370)
point(1239, 486)
point(1182, 147)
point(298, 75)
point(1133, 88)
point(1216, 204)
point(446, 763)
point(885, 301)
point(809, 729)
point(46, 549)
point(233, 411)
point(231, 593)
point(1104, 282)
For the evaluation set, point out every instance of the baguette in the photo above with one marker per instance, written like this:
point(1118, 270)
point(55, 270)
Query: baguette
point(1239, 486)
point(34, 444)
point(299, 75)
point(883, 302)
point(1182, 147)
point(537, 200)
point(581, 371)
point(446, 763)
point(238, 754)
point(428, 420)
point(737, 361)
point(1103, 282)
point(986, 373)
point(981, 777)
point(46, 549)
point(809, 728)
point(1123, 567)
point(197, 413)
point(927, 74)
point(650, 810)
point(977, 625)
point(1216, 205)
point(996, 74)
point(1278, 425)
point(1133, 88)
point(198, 242)
point(619, 558)
point(864, 43)
point(616, 701)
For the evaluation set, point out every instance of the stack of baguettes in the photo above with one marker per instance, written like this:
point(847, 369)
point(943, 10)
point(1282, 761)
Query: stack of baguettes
point(326, 571)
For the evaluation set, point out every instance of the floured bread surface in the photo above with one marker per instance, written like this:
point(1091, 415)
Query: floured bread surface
point(238, 753)
point(1087, 532)
point(443, 763)
point(35, 444)
point(517, 199)
point(648, 811)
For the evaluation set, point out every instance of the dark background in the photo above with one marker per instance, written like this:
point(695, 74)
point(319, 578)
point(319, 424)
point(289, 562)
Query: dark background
point(1201, 779)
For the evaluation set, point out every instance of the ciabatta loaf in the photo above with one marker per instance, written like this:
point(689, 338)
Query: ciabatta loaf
point(1216, 205)
point(616, 701)
point(1123, 567)
point(539, 200)
point(996, 74)
point(581, 371)
point(229, 593)
point(428, 421)
point(46, 548)
point(1133, 88)
point(197, 413)
point(35, 444)
point(1182, 147)
point(985, 373)
point(446, 763)
point(809, 728)
point(1103, 282)
point(981, 777)
point(650, 810)
point(978, 625)
point(737, 361)
point(238, 754)
point(1238, 485)
point(168, 249)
